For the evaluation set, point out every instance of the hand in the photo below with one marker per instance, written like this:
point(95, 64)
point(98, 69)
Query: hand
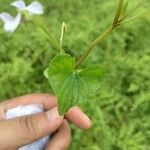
point(20, 131)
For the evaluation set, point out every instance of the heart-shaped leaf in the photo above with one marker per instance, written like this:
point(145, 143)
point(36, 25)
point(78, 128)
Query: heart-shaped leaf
point(71, 85)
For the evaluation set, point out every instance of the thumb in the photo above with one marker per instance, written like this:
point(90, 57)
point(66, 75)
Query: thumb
point(23, 130)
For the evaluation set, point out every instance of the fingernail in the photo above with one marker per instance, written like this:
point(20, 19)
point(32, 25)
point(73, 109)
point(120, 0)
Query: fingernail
point(53, 115)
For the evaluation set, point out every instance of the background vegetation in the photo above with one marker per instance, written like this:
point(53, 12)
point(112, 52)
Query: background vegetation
point(120, 111)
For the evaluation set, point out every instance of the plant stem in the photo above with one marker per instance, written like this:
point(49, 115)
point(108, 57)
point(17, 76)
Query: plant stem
point(101, 37)
point(63, 29)
point(52, 40)
point(131, 18)
point(40, 22)
point(118, 12)
point(140, 3)
point(93, 45)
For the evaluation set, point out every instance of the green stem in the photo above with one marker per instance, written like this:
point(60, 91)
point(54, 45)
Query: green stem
point(40, 22)
point(133, 10)
point(93, 45)
point(131, 18)
point(118, 12)
point(52, 40)
point(103, 35)
point(63, 30)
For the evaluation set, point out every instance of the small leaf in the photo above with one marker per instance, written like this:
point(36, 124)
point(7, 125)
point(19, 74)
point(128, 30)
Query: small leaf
point(72, 85)
point(125, 7)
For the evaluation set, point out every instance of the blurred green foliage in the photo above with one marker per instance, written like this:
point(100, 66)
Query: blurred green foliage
point(120, 111)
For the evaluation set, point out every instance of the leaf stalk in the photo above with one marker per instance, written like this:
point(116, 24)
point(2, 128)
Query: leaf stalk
point(63, 30)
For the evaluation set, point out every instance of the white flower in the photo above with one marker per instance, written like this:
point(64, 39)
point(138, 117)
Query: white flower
point(34, 8)
point(11, 23)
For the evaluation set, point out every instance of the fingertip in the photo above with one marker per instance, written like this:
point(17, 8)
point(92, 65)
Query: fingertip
point(78, 118)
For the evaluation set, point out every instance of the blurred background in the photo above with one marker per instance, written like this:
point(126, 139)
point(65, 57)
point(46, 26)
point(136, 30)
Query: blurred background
point(120, 111)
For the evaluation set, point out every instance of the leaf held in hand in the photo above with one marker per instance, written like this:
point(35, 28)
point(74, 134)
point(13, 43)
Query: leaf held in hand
point(71, 85)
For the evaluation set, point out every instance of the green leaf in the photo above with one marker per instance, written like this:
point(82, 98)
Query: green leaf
point(125, 7)
point(72, 85)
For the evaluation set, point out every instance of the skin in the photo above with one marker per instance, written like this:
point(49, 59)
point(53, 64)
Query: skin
point(20, 131)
